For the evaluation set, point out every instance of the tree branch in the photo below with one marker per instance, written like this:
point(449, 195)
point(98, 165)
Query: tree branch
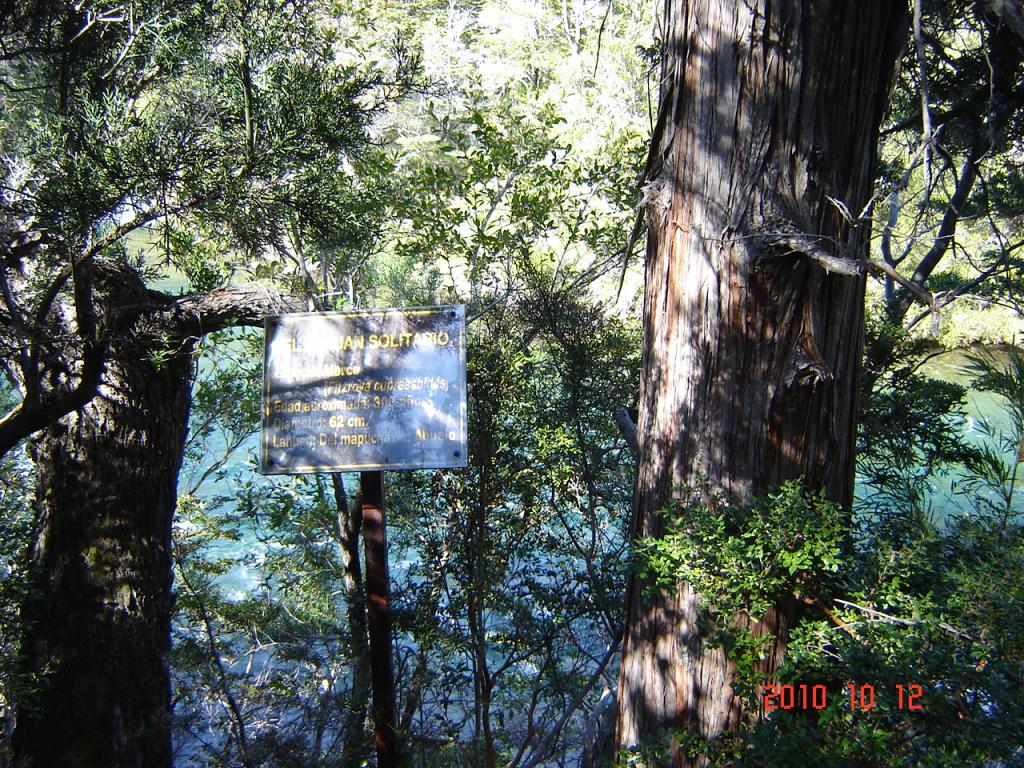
point(187, 316)
point(199, 314)
point(544, 747)
point(628, 430)
point(32, 415)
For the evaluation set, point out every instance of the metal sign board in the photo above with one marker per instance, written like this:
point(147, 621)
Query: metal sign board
point(366, 390)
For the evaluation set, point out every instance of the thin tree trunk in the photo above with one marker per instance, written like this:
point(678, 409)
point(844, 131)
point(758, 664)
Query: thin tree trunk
point(765, 141)
point(350, 522)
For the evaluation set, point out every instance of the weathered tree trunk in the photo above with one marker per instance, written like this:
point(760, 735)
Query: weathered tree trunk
point(760, 167)
point(97, 622)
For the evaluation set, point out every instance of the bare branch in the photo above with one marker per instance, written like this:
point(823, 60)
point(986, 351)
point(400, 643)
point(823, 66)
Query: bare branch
point(628, 430)
point(888, 618)
point(544, 747)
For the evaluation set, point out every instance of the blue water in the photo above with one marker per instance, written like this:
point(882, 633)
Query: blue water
point(946, 493)
point(986, 422)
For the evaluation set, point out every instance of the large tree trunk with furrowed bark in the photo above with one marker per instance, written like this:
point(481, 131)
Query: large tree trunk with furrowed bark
point(756, 190)
point(97, 621)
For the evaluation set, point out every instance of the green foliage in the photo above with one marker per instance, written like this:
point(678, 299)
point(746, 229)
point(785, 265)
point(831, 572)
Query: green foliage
point(509, 558)
point(906, 599)
point(518, 579)
point(909, 427)
point(996, 464)
point(275, 650)
point(494, 194)
point(227, 139)
point(942, 612)
point(745, 557)
point(226, 402)
point(203, 262)
point(921, 602)
point(509, 574)
point(741, 559)
point(16, 489)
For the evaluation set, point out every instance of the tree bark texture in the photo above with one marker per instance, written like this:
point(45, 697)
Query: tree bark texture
point(756, 191)
point(97, 623)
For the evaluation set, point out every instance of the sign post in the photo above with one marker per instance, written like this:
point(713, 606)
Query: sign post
point(367, 391)
point(378, 617)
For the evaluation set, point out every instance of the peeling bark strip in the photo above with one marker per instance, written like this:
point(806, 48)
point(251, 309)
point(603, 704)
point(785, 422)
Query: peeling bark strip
point(97, 623)
point(769, 117)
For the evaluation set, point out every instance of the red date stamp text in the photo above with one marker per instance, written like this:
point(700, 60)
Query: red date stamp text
point(862, 697)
